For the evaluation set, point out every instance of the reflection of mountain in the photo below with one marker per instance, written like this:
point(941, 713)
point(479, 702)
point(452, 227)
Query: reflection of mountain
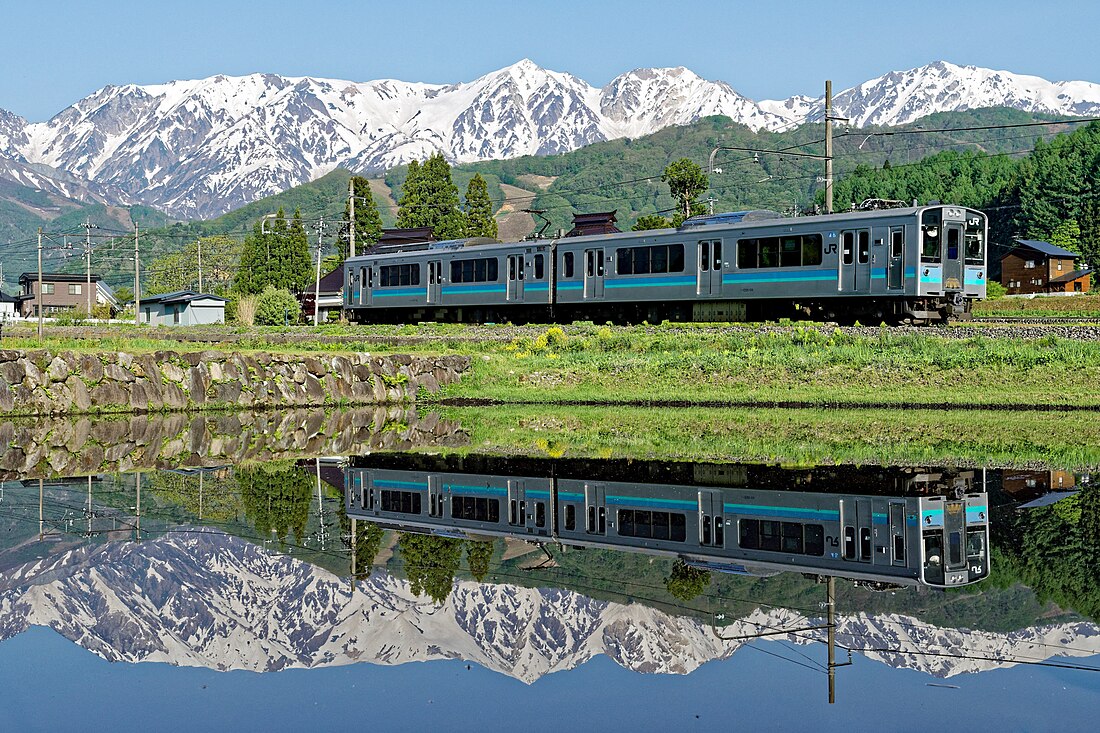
point(207, 599)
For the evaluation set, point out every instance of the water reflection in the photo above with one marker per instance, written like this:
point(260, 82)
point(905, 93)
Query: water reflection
point(311, 563)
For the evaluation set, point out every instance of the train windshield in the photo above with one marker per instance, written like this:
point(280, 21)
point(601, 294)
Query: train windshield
point(931, 241)
point(975, 239)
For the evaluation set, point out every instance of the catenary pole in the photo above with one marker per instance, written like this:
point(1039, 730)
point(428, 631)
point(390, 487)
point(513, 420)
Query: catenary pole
point(137, 280)
point(38, 298)
point(828, 146)
point(351, 216)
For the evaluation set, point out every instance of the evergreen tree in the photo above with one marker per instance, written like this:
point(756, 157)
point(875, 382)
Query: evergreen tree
point(1067, 235)
point(429, 198)
point(479, 210)
point(430, 564)
point(650, 221)
point(276, 499)
point(252, 272)
point(479, 555)
point(368, 222)
point(297, 270)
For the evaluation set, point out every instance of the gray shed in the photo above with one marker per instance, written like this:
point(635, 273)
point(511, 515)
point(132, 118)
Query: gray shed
point(182, 308)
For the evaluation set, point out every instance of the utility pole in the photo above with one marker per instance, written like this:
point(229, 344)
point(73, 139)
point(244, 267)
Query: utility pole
point(88, 260)
point(351, 216)
point(828, 148)
point(38, 298)
point(317, 284)
point(830, 608)
point(137, 280)
point(199, 242)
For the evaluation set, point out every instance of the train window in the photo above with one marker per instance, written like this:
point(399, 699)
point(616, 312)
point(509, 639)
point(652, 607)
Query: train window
point(975, 241)
point(512, 268)
point(474, 271)
point(975, 544)
point(570, 517)
point(540, 267)
point(811, 250)
point(747, 251)
point(475, 508)
point(864, 543)
point(792, 538)
point(897, 243)
point(540, 514)
point(716, 250)
point(397, 275)
point(748, 536)
point(933, 558)
point(652, 525)
point(952, 243)
point(790, 252)
point(522, 512)
point(849, 543)
point(847, 245)
point(864, 247)
point(719, 532)
point(602, 524)
point(899, 548)
point(814, 540)
point(401, 502)
point(645, 260)
point(704, 256)
point(769, 252)
point(591, 525)
point(771, 535)
point(930, 244)
point(512, 512)
point(706, 529)
point(954, 549)
point(567, 264)
point(590, 261)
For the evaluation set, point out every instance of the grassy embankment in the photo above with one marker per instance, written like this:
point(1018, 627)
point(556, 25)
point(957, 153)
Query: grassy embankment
point(698, 364)
point(1078, 306)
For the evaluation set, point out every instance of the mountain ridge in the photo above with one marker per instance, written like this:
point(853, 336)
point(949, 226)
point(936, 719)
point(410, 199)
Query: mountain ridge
point(198, 148)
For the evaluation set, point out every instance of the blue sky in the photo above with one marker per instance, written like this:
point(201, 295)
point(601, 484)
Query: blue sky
point(57, 51)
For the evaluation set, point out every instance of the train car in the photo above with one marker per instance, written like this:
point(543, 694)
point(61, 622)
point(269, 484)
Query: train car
point(916, 264)
point(932, 539)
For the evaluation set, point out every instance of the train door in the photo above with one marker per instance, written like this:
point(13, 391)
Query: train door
point(895, 264)
point(595, 509)
point(435, 276)
point(516, 276)
point(710, 267)
point(855, 527)
point(712, 527)
point(952, 256)
point(593, 273)
point(519, 514)
point(855, 261)
point(435, 495)
point(896, 541)
point(366, 285)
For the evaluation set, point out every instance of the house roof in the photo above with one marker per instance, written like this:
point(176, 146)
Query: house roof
point(330, 283)
point(181, 296)
point(5, 298)
point(1075, 275)
point(1046, 248)
point(57, 277)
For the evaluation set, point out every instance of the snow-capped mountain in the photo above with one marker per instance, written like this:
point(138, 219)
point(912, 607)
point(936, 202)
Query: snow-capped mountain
point(199, 148)
point(213, 600)
point(901, 97)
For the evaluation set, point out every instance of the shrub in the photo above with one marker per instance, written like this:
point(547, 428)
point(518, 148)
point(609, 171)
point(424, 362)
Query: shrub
point(994, 290)
point(275, 307)
point(243, 309)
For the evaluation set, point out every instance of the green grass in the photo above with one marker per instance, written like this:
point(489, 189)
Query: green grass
point(1078, 306)
point(1002, 438)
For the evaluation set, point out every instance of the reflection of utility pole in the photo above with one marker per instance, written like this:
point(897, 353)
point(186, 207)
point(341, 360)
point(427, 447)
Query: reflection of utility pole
point(320, 507)
point(41, 517)
point(200, 494)
point(317, 285)
point(137, 486)
point(354, 522)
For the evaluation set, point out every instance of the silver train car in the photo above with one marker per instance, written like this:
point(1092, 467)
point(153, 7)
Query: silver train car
point(916, 265)
point(934, 539)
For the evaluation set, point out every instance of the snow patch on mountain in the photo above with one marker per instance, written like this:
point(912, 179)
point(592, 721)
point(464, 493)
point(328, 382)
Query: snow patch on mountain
point(212, 600)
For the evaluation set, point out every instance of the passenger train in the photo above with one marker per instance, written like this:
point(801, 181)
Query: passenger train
point(928, 528)
point(918, 264)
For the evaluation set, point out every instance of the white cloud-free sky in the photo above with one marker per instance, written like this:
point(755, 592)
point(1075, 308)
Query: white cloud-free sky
point(58, 51)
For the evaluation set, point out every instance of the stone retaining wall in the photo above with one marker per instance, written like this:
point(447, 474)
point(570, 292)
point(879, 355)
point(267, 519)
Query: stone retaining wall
point(80, 445)
point(39, 382)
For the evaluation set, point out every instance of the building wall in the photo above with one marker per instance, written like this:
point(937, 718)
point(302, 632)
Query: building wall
point(206, 312)
point(1020, 270)
point(193, 314)
point(60, 299)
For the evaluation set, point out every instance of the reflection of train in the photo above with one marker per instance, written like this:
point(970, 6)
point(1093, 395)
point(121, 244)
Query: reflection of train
point(916, 264)
point(930, 528)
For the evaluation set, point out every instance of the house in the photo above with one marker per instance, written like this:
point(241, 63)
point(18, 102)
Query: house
point(1040, 267)
point(63, 292)
point(331, 292)
point(7, 306)
point(602, 222)
point(182, 308)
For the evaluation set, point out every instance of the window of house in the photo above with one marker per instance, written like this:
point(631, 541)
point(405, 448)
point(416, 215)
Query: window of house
point(1029, 265)
point(74, 288)
point(47, 288)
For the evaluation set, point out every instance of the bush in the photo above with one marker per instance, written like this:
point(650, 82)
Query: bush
point(994, 290)
point(241, 309)
point(276, 307)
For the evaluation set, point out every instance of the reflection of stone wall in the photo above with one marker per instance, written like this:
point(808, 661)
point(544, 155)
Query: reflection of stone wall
point(42, 383)
point(78, 446)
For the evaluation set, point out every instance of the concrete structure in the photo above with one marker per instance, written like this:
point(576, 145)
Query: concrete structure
point(62, 292)
point(1040, 267)
point(182, 308)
